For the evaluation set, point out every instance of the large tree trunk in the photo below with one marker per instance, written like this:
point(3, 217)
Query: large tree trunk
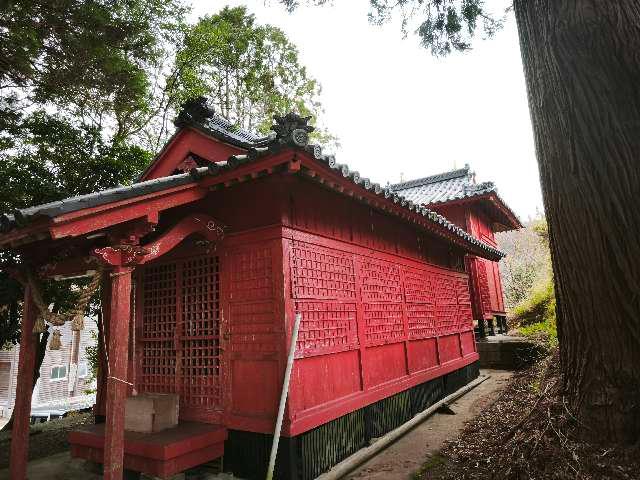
point(582, 68)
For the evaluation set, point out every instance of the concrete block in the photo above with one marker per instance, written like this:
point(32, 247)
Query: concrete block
point(151, 412)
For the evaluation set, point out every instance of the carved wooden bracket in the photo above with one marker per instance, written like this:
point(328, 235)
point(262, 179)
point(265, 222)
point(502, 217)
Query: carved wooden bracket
point(133, 232)
point(121, 255)
point(207, 226)
point(130, 255)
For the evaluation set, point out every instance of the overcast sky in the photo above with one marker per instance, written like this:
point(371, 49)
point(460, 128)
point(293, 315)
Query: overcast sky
point(399, 111)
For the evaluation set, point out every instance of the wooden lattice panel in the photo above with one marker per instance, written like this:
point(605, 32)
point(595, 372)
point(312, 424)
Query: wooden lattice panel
point(252, 309)
point(380, 282)
point(446, 305)
point(383, 323)
point(180, 334)
point(199, 339)
point(483, 286)
point(326, 327)
point(251, 274)
point(465, 315)
point(419, 286)
point(158, 329)
point(419, 289)
point(317, 272)
point(422, 320)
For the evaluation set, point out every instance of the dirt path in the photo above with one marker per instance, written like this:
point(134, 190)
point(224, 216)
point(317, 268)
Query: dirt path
point(400, 460)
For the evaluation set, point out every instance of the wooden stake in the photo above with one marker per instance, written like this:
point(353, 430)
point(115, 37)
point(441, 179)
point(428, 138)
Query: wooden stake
point(283, 397)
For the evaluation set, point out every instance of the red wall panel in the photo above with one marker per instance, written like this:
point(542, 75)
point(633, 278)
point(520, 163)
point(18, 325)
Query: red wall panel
point(385, 363)
point(422, 354)
point(449, 348)
point(392, 321)
point(325, 378)
point(254, 331)
point(467, 342)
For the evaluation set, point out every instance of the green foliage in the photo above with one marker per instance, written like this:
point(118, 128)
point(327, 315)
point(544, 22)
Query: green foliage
point(537, 315)
point(10, 291)
point(53, 159)
point(75, 86)
point(528, 261)
point(443, 26)
point(90, 57)
point(248, 72)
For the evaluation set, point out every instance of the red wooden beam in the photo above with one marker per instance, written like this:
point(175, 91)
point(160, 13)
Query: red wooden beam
point(117, 374)
point(24, 390)
point(196, 223)
point(97, 218)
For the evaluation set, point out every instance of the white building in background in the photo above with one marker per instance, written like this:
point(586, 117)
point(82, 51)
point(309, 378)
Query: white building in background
point(65, 375)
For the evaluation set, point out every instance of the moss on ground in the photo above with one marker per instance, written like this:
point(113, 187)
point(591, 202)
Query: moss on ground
point(432, 463)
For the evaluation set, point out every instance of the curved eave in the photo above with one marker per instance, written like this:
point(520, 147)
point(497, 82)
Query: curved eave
point(96, 210)
point(504, 218)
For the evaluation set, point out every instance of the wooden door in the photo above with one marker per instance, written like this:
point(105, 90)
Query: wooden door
point(178, 345)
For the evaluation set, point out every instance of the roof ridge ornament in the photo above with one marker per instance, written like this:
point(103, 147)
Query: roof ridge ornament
point(194, 110)
point(292, 130)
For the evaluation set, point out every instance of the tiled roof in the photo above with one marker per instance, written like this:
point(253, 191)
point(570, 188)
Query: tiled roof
point(443, 187)
point(447, 187)
point(25, 215)
point(195, 113)
point(292, 132)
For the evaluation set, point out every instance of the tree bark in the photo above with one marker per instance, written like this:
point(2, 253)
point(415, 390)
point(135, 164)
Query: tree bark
point(40, 353)
point(582, 68)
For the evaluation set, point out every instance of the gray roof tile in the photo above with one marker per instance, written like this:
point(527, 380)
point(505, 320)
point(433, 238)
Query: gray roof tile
point(290, 127)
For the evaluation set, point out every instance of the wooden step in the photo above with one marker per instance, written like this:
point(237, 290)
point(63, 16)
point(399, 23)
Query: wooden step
point(162, 453)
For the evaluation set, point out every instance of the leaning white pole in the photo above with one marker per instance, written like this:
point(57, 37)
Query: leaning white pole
point(283, 398)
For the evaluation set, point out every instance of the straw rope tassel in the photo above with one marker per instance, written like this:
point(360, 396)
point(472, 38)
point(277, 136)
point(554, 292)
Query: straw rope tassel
point(76, 315)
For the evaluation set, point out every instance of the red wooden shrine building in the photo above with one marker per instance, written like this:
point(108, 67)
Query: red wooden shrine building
point(205, 262)
point(480, 211)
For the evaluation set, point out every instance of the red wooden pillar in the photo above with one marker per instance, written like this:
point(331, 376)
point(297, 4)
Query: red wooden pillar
point(103, 340)
point(120, 311)
point(24, 389)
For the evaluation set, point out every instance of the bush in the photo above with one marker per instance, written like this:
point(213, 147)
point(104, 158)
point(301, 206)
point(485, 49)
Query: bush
point(536, 315)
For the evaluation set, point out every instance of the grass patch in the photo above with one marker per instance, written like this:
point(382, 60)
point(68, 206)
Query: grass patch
point(537, 316)
point(433, 462)
point(545, 332)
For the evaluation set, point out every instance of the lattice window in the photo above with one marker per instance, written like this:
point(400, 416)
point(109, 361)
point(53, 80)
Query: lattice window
point(483, 286)
point(200, 352)
point(180, 328)
point(158, 329)
point(326, 326)
point(383, 323)
point(317, 272)
point(380, 282)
